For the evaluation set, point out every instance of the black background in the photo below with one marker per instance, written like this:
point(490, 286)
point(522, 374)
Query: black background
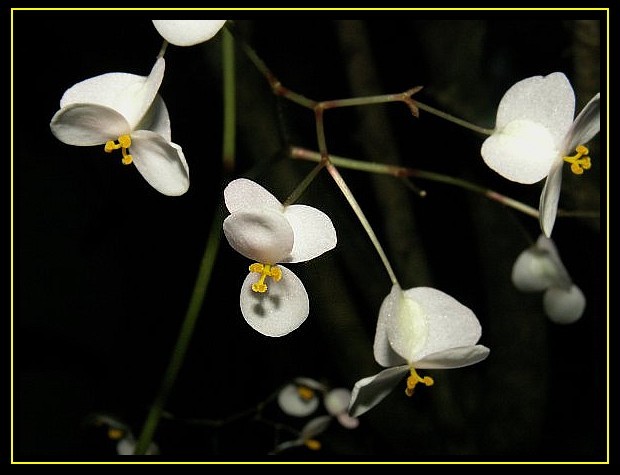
point(104, 265)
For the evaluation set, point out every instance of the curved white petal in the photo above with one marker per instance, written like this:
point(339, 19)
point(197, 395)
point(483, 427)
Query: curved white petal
point(291, 402)
point(337, 401)
point(586, 125)
point(548, 101)
point(521, 151)
point(128, 94)
point(549, 198)
point(88, 124)
point(448, 324)
point(246, 195)
point(370, 391)
point(314, 232)
point(347, 421)
point(540, 267)
point(161, 163)
point(188, 32)
point(564, 306)
point(280, 310)
point(127, 446)
point(454, 357)
point(310, 383)
point(383, 352)
point(315, 426)
point(407, 327)
point(156, 119)
point(263, 235)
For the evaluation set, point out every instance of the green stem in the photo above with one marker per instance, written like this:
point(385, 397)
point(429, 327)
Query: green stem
point(455, 120)
point(228, 65)
point(185, 334)
point(381, 168)
point(335, 174)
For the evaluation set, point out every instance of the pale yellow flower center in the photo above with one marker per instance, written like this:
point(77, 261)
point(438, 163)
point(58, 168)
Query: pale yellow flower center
point(124, 142)
point(115, 434)
point(312, 444)
point(414, 379)
point(580, 161)
point(265, 270)
point(305, 392)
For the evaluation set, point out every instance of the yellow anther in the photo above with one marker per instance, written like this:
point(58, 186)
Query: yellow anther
point(414, 379)
point(124, 142)
point(265, 270)
point(312, 444)
point(115, 434)
point(580, 161)
point(305, 393)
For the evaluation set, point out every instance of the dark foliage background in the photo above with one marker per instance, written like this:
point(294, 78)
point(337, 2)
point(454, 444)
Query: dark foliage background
point(104, 265)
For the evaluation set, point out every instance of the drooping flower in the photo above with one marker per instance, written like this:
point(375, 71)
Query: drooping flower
point(535, 134)
point(273, 300)
point(540, 269)
point(300, 398)
point(188, 32)
point(419, 328)
point(337, 403)
point(307, 435)
point(124, 111)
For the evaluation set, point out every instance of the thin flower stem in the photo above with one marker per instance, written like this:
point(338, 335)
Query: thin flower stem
point(455, 120)
point(185, 334)
point(380, 168)
point(335, 174)
point(208, 259)
point(228, 65)
point(162, 50)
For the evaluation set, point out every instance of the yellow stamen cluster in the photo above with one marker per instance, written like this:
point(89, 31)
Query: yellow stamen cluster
point(115, 434)
point(265, 270)
point(414, 379)
point(124, 142)
point(305, 392)
point(312, 444)
point(580, 161)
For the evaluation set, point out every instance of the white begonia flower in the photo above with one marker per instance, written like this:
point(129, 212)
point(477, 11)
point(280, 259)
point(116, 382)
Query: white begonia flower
point(337, 404)
point(125, 108)
point(120, 432)
point(539, 268)
point(299, 398)
point(535, 134)
point(307, 435)
point(188, 32)
point(419, 328)
point(260, 228)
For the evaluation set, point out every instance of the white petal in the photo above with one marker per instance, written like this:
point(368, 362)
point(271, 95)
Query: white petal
point(407, 327)
point(127, 446)
point(157, 119)
point(564, 306)
point(280, 310)
point(245, 195)
point(347, 421)
point(293, 404)
point(449, 324)
point(549, 198)
point(522, 151)
point(128, 94)
point(586, 125)
point(370, 391)
point(316, 426)
point(313, 230)
point(383, 352)
point(548, 101)
point(188, 32)
point(88, 124)
point(310, 383)
point(337, 401)
point(539, 267)
point(454, 357)
point(161, 163)
point(263, 235)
